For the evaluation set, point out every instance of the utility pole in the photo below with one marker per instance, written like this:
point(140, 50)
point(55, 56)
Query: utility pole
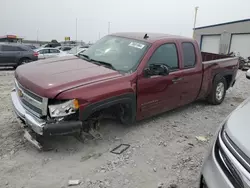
point(108, 27)
point(76, 30)
point(99, 35)
point(195, 16)
point(37, 33)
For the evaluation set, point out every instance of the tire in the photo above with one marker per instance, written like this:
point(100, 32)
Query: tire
point(218, 91)
point(23, 61)
point(124, 114)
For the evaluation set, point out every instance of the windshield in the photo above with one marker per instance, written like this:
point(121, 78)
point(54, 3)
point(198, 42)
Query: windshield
point(122, 53)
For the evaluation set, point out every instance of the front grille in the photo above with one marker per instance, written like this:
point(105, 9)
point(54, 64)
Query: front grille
point(36, 97)
point(33, 103)
point(236, 151)
point(227, 166)
point(30, 106)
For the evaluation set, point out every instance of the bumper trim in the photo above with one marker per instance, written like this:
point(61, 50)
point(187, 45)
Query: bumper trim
point(35, 123)
point(41, 126)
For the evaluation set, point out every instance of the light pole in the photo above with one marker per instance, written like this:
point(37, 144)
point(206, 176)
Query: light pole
point(37, 33)
point(108, 27)
point(76, 30)
point(195, 16)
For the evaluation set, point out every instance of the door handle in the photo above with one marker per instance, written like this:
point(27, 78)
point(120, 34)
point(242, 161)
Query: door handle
point(175, 80)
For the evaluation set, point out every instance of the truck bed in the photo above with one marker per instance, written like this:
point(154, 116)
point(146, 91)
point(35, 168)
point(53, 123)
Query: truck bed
point(211, 56)
point(227, 65)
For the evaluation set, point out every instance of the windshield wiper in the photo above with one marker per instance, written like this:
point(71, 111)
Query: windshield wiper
point(86, 57)
point(103, 63)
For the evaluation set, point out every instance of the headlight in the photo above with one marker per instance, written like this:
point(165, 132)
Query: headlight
point(64, 109)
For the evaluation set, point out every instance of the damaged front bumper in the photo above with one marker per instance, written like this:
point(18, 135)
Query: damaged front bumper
point(41, 126)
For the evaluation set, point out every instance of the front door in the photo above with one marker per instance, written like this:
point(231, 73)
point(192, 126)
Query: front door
point(160, 93)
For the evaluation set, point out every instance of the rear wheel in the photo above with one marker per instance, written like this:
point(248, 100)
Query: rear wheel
point(23, 61)
point(218, 92)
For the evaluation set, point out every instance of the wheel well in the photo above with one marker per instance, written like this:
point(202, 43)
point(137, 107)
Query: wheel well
point(228, 79)
point(115, 111)
point(106, 104)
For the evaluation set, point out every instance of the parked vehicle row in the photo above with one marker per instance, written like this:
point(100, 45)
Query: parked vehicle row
point(44, 53)
point(64, 48)
point(15, 54)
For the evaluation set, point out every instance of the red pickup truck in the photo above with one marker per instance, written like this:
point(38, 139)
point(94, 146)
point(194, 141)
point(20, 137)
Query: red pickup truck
point(131, 75)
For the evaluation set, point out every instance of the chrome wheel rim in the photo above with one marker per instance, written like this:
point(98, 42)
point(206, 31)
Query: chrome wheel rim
point(220, 91)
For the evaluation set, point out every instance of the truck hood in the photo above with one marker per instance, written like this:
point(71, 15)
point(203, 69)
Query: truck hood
point(52, 76)
point(238, 127)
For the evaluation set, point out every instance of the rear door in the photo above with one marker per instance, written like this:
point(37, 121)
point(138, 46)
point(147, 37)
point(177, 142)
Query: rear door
point(191, 72)
point(160, 93)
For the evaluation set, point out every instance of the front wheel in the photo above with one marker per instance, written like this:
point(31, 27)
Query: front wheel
point(218, 91)
point(125, 114)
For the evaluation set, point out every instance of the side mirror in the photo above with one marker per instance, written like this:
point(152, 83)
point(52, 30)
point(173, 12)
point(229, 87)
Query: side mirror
point(248, 74)
point(156, 69)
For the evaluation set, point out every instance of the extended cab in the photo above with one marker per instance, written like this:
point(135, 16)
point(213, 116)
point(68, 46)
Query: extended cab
point(131, 75)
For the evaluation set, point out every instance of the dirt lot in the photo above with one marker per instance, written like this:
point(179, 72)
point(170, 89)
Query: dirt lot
point(163, 149)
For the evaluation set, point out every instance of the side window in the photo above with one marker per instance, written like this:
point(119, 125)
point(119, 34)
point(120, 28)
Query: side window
point(165, 54)
point(22, 49)
point(18, 49)
point(54, 51)
point(45, 51)
point(189, 58)
point(7, 48)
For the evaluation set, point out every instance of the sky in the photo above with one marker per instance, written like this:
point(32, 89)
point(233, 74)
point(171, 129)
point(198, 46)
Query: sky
point(56, 19)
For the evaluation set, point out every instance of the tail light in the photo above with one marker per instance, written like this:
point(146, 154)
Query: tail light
point(35, 54)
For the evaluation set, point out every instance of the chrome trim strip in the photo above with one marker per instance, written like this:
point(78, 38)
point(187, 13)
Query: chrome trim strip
point(232, 147)
point(237, 164)
point(35, 123)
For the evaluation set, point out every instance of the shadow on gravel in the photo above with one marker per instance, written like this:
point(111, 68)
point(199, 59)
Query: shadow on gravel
point(113, 134)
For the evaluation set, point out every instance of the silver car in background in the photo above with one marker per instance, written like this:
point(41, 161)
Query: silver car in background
point(228, 162)
point(45, 53)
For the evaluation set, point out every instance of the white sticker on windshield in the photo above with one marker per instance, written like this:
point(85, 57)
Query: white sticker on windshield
point(136, 45)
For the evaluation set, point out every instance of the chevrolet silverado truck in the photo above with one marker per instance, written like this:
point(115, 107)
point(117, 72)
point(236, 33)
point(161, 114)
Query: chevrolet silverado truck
point(129, 75)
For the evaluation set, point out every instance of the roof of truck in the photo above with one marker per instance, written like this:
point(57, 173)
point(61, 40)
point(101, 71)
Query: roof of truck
point(152, 37)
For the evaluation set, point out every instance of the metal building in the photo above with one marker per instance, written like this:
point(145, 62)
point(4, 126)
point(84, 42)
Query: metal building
point(225, 37)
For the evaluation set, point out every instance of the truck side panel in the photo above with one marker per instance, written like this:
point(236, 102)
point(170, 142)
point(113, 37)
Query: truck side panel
point(225, 67)
point(103, 91)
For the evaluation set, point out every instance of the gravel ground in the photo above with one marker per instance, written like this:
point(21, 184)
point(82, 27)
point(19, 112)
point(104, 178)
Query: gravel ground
point(163, 149)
